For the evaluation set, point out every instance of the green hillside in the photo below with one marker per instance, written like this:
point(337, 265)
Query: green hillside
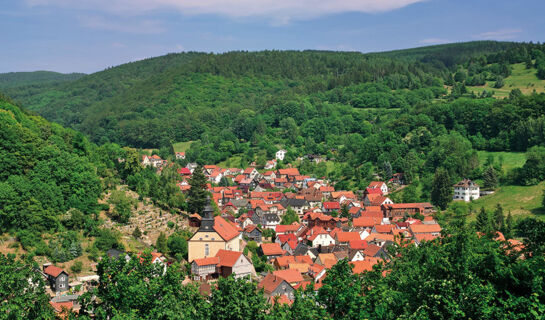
point(40, 78)
point(522, 78)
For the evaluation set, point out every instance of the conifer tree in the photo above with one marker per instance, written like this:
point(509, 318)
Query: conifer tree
point(483, 223)
point(498, 218)
point(161, 244)
point(508, 230)
point(441, 193)
point(137, 233)
point(490, 178)
point(197, 193)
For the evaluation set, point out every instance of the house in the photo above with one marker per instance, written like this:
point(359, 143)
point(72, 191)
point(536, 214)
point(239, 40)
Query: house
point(466, 190)
point(297, 205)
point(273, 285)
point(234, 262)
point(292, 276)
point(280, 154)
point(250, 173)
point(271, 164)
point(392, 210)
point(376, 200)
point(57, 277)
point(398, 178)
point(253, 233)
point(204, 268)
point(431, 229)
point(214, 233)
point(318, 236)
point(271, 250)
point(329, 207)
point(287, 228)
point(180, 155)
point(288, 173)
point(375, 251)
point(379, 185)
point(328, 260)
point(343, 238)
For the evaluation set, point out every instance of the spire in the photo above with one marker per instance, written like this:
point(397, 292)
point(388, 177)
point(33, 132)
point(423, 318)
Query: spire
point(207, 221)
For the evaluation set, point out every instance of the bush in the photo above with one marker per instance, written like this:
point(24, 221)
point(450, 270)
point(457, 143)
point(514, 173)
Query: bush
point(107, 239)
point(76, 267)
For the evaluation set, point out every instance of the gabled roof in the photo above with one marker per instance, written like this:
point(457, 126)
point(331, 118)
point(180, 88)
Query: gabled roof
point(358, 244)
point(347, 236)
point(53, 271)
point(290, 275)
point(376, 184)
point(425, 228)
point(227, 258)
point(286, 237)
point(281, 228)
point(284, 261)
point(225, 229)
point(207, 261)
point(289, 172)
point(332, 205)
point(371, 250)
point(270, 283)
point(384, 228)
point(271, 249)
point(328, 259)
point(364, 222)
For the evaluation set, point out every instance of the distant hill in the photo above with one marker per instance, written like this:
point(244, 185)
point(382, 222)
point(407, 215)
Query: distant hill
point(178, 97)
point(18, 79)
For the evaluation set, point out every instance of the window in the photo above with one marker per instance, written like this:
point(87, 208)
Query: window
point(61, 285)
point(206, 250)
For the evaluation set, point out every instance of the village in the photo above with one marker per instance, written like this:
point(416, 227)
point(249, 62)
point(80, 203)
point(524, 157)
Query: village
point(246, 237)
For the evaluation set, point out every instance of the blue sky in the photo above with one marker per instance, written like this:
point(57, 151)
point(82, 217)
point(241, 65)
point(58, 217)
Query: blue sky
point(90, 35)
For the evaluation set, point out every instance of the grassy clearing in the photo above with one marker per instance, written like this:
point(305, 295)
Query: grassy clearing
point(181, 146)
point(233, 162)
point(522, 201)
point(510, 160)
point(521, 78)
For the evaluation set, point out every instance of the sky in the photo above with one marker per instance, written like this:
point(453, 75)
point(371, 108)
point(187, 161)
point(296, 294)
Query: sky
point(91, 35)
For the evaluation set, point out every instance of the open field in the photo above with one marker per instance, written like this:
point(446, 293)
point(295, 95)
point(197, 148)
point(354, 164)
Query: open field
point(521, 78)
point(510, 160)
point(522, 201)
point(181, 146)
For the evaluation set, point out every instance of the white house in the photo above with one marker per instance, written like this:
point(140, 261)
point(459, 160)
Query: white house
point(466, 190)
point(280, 154)
point(379, 185)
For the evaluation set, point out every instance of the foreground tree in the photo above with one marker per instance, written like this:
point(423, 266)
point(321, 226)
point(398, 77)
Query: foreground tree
point(22, 294)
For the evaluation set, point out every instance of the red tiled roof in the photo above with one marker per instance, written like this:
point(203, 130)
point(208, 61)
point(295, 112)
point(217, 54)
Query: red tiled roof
point(290, 275)
point(226, 230)
point(53, 271)
point(287, 228)
point(59, 306)
point(358, 244)
point(286, 237)
point(289, 171)
point(361, 266)
point(375, 184)
point(371, 250)
point(271, 249)
point(284, 261)
point(332, 205)
point(228, 258)
point(425, 228)
point(384, 228)
point(347, 236)
point(364, 222)
point(207, 261)
point(270, 283)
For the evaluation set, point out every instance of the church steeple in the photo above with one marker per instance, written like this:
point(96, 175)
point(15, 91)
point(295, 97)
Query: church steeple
point(207, 222)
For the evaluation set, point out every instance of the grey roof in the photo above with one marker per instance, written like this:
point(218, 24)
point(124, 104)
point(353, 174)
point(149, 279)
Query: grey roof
point(294, 203)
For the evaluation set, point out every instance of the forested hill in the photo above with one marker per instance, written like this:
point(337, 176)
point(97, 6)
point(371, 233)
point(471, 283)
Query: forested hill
point(19, 79)
point(450, 54)
point(46, 170)
point(243, 96)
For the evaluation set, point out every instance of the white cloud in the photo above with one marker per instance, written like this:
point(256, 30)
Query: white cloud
point(136, 27)
point(433, 41)
point(279, 11)
point(502, 34)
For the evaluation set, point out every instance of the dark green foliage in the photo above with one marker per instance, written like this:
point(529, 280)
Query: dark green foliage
point(531, 230)
point(122, 206)
point(76, 267)
point(177, 245)
point(197, 193)
point(107, 239)
point(289, 217)
point(490, 178)
point(46, 171)
point(499, 219)
point(484, 223)
point(137, 233)
point(230, 300)
point(22, 294)
point(65, 247)
point(161, 243)
point(499, 82)
point(441, 193)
